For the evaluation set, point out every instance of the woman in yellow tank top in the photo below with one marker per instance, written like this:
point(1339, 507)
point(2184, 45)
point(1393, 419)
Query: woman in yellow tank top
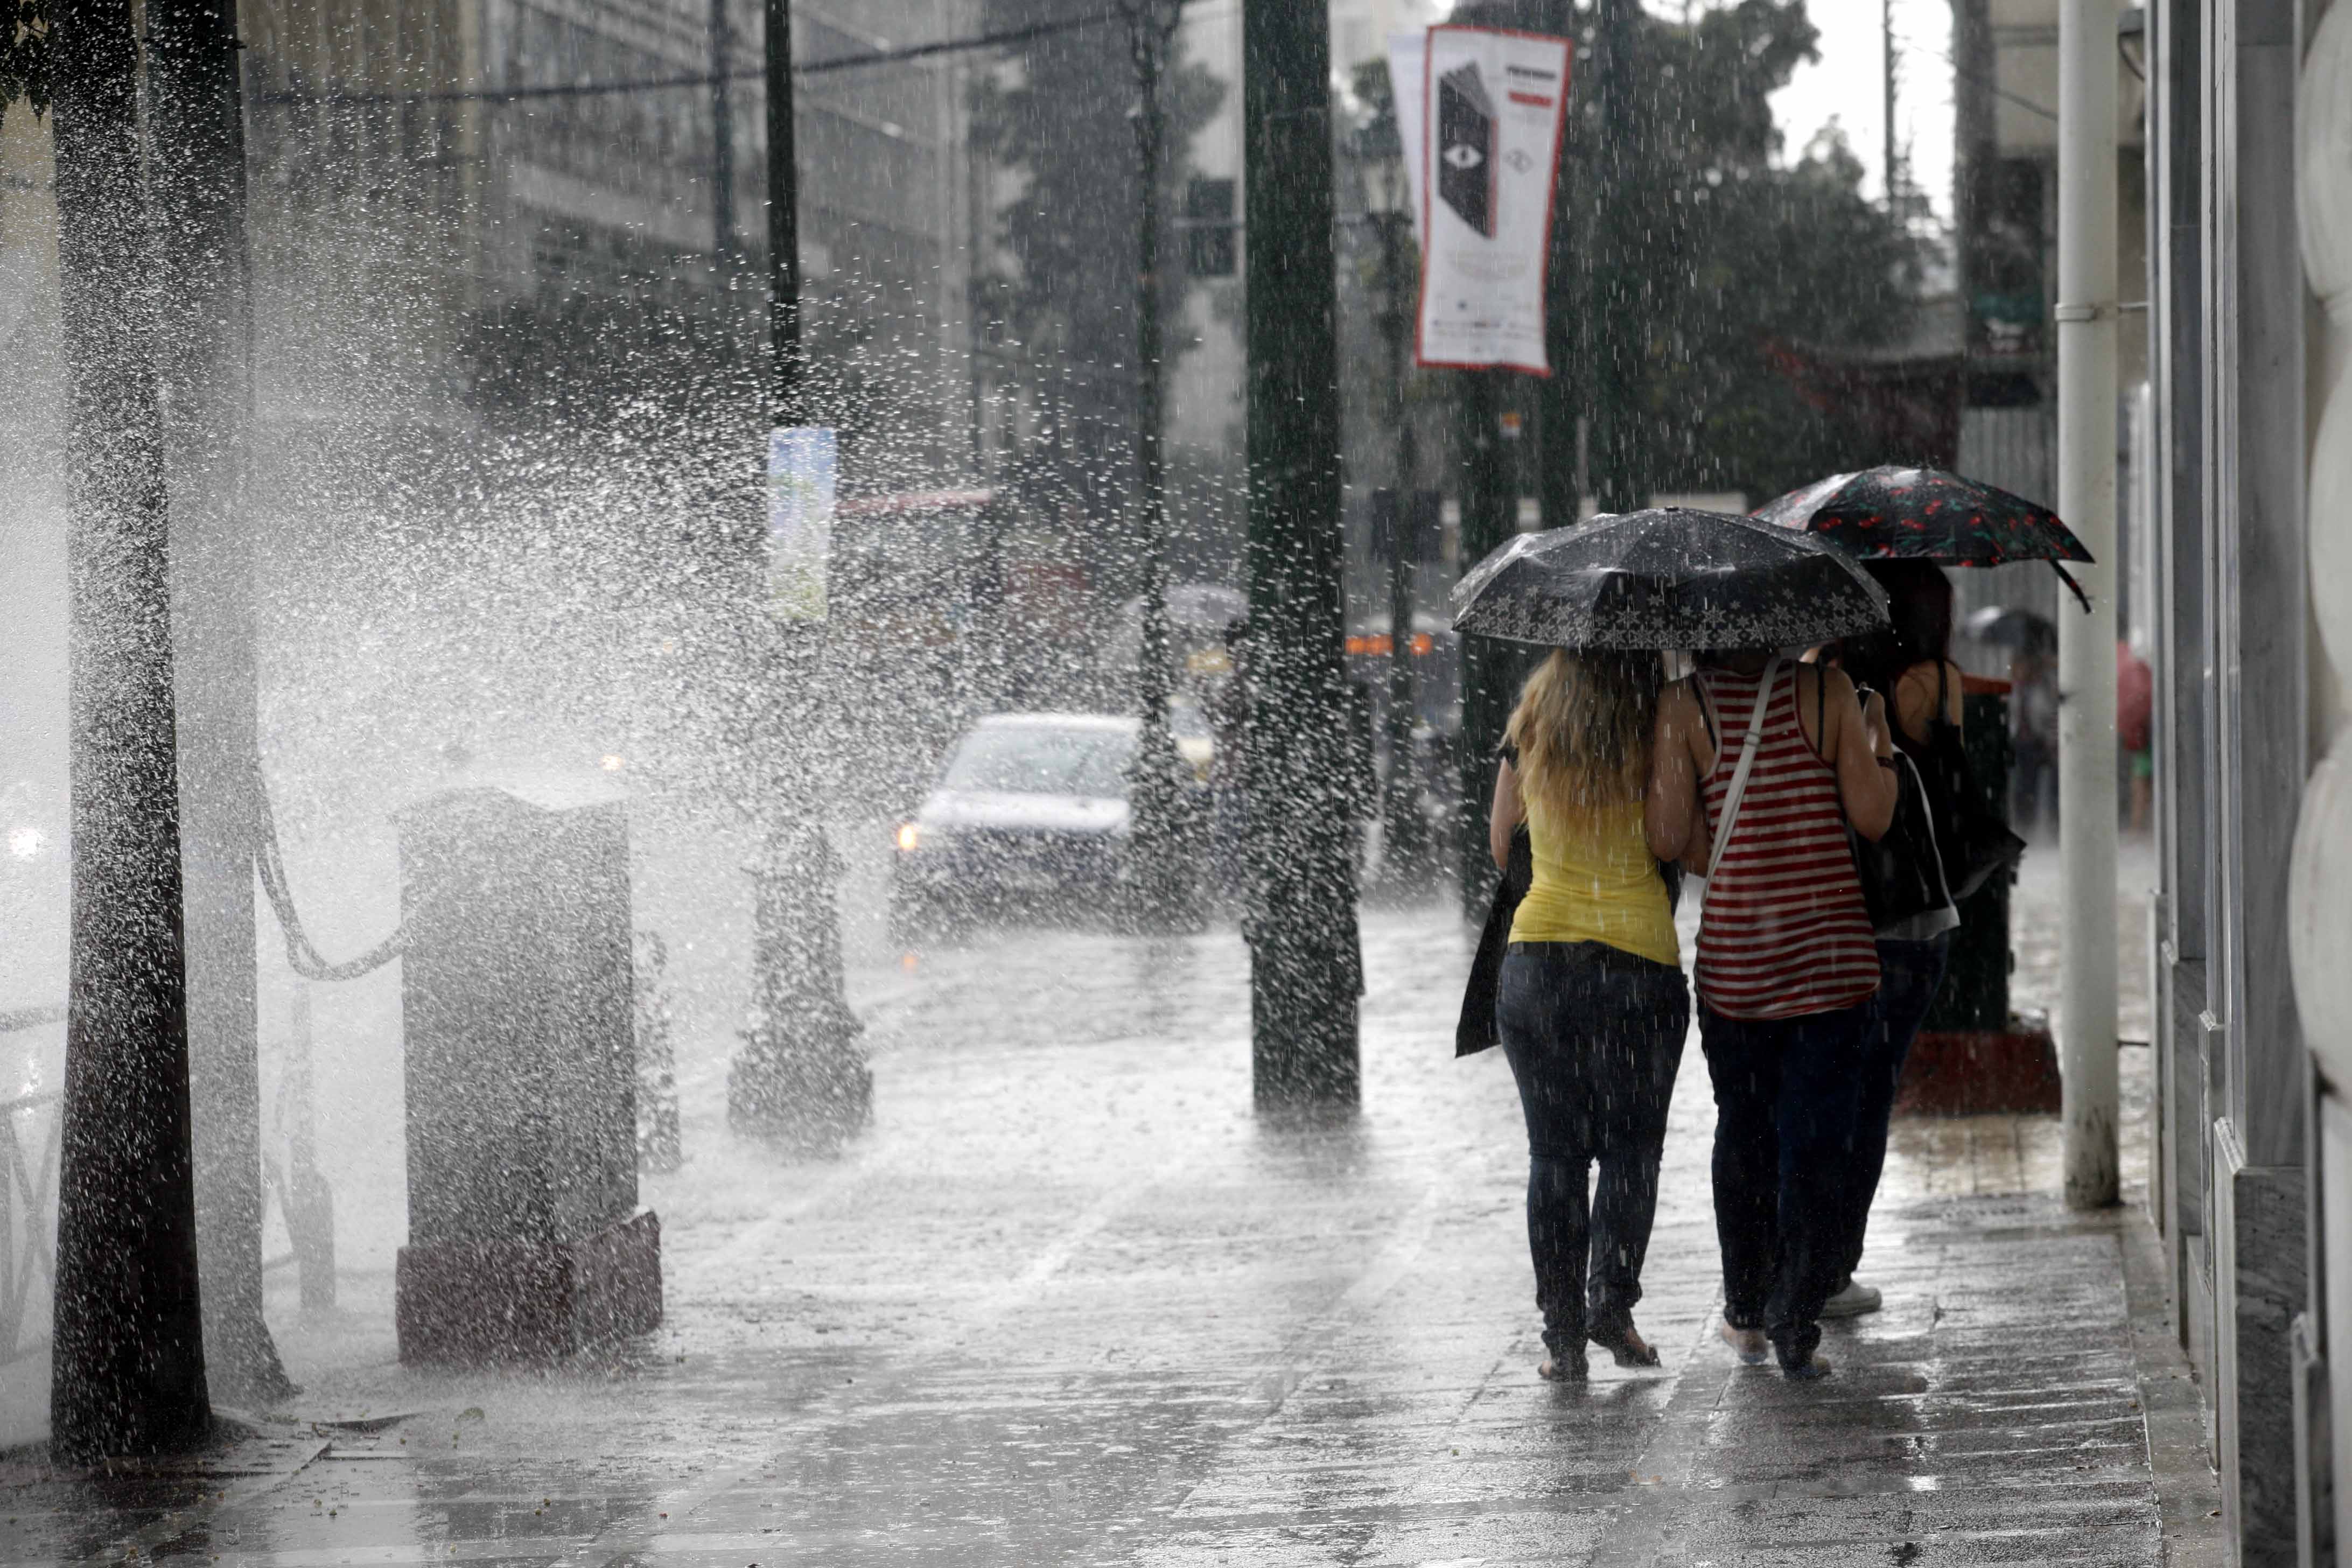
point(1591, 1006)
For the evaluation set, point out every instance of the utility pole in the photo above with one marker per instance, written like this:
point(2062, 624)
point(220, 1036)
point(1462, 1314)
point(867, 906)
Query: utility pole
point(127, 1370)
point(1558, 477)
point(1161, 863)
point(204, 309)
point(722, 140)
point(1618, 308)
point(2086, 316)
point(1489, 668)
point(1306, 960)
point(1404, 854)
point(802, 1078)
point(1893, 174)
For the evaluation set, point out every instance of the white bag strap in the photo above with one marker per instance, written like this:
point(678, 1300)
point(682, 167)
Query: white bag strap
point(1740, 777)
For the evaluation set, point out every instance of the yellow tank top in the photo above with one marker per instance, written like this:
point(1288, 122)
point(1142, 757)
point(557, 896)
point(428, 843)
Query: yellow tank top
point(1595, 881)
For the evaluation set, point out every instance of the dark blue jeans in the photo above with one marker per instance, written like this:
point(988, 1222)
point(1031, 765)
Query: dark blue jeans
point(1785, 1091)
point(1909, 976)
point(1594, 1036)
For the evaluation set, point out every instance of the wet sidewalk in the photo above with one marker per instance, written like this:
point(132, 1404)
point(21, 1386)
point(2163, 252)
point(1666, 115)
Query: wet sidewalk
point(1070, 1302)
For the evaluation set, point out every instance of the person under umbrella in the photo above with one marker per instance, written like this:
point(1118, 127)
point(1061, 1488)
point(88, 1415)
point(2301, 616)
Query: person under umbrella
point(1592, 1007)
point(1910, 660)
point(1757, 766)
point(1925, 514)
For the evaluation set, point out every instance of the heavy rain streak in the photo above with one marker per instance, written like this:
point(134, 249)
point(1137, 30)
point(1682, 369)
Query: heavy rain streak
point(752, 758)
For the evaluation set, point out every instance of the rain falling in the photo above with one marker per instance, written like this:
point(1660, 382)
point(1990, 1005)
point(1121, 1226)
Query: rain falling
point(1161, 781)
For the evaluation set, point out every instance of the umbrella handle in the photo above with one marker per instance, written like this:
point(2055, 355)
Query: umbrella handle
point(2065, 577)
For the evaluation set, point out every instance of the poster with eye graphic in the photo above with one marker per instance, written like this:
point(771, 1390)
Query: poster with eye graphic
point(1482, 141)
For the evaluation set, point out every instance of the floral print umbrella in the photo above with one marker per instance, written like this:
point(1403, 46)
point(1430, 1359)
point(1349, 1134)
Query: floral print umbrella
point(1926, 514)
point(1669, 578)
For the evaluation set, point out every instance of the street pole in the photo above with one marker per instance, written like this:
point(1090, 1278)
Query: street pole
point(723, 141)
point(1306, 960)
point(1558, 477)
point(197, 180)
point(1489, 518)
point(2086, 315)
point(1404, 847)
point(1158, 855)
point(127, 1368)
point(1887, 60)
point(801, 1078)
point(1617, 310)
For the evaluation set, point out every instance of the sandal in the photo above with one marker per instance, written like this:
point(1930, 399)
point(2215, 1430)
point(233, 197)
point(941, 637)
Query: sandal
point(1626, 1344)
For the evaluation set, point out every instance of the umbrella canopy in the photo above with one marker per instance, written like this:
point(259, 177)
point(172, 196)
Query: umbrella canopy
point(2001, 625)
point(1670, 577)
point(1925, 514)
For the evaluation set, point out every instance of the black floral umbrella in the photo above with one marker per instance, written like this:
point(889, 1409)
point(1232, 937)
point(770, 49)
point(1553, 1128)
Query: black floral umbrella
point(1670, 577)
point(1925, 514)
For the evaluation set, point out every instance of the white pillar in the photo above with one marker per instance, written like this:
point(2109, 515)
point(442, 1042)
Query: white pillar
point(2319, 894)
point(2087, 67)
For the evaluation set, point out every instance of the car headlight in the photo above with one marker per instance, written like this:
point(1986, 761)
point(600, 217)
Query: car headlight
point(909, 838)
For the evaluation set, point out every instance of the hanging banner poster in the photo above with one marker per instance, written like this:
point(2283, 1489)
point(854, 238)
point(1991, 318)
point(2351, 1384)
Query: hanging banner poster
point(1492, 106)
point(801, 467)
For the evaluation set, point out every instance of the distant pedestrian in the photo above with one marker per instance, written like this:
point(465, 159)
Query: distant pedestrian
point(1592, 1007)
point(2135, 732)
point(1756, 767)
point(1910, 662)
point(2034, 737)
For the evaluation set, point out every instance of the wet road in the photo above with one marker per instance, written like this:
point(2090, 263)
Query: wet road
point(1070, 1302)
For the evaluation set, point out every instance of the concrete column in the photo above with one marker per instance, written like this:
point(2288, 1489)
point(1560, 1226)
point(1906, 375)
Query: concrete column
point(2087, 67)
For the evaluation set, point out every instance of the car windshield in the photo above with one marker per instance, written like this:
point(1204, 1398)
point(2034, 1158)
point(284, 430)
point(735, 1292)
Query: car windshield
point(1043, 759)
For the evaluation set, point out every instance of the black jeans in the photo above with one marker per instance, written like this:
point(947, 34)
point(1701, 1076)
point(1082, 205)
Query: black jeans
point(1594, 1036)
point(1785, 1091)
point(1909, 976)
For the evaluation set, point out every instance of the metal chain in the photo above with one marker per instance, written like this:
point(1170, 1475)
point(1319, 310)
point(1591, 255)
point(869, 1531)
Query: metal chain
point(305, 958)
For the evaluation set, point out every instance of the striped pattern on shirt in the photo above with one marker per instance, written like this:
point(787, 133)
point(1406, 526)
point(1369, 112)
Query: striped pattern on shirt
point(1785, 932)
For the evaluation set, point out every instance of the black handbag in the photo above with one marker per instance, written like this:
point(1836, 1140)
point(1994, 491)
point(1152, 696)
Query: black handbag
point(1474, 1031)
point(1902, 874)
point(1974, 840)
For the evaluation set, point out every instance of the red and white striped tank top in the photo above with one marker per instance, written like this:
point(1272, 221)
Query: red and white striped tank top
point(1785, 932)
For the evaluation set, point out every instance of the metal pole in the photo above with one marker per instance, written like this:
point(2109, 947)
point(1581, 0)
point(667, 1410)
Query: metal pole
point(2087, 87)
point(1619, 298)
point(1887, 36)
point(1405, 855)
point(722, 138)
point(802, 1078)
point(787, 394)
point(1488, 516)
point(1158, 862)
point(1306, 964)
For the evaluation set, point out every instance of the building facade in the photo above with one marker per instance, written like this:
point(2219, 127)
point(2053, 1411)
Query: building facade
point(2250, 295)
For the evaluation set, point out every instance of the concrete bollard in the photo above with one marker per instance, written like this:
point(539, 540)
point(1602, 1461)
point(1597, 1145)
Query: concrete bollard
point(517, 1010)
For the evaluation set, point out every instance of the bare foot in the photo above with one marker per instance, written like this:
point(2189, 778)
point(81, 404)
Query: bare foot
point(1748, 1343)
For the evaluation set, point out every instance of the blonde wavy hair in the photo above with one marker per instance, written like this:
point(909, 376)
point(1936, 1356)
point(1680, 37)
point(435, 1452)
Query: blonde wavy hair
point(1582, 728)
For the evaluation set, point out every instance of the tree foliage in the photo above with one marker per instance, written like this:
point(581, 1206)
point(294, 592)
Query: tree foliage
point(1062, 312)
point(25, 54)
point(1737, 251)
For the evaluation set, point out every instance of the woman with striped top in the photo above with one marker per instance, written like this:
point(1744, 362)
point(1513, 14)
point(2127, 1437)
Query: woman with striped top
point(1786, 968)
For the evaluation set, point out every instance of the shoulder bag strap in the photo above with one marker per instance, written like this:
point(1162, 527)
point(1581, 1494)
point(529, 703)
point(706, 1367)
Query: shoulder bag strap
point(1748, 745)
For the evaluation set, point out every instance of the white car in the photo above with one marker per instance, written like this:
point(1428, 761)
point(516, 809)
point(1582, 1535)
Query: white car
point(1031, 811)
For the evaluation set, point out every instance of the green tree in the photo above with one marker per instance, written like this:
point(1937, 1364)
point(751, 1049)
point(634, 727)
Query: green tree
point(1064, 309)
point(1737, 252)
